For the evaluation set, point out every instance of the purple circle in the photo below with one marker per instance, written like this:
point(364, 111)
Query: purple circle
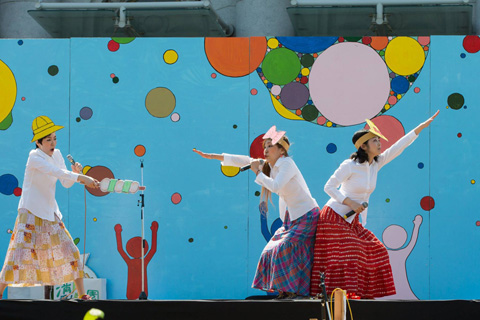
point(86, 113)
point(294, 95)
point(393, 75)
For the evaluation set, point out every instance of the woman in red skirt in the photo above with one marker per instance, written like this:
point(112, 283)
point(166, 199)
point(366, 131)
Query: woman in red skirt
point(286, 260)
point(350, 256)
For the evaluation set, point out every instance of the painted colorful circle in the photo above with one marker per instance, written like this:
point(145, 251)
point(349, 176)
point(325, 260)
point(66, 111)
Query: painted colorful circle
point(404, 56)
point(421, 165)
point(53, 70)
point(99, 173)
point(86, 113)
point(281, 66)
point(353, 68)
point(294, 95)
point(331, 148)
point(229, 171)
point(160, 102)
point(471, 44)
point(256, 148)
point(123, 40)
point(17, 192)
point(307, 44)
point(8, 183)
point(427, 203)
point(235, 57)
point(139, 150)
point(113, 45)
point(170, 56)
point(176, 198)
point(455, 101)
point(175, 117)
point(309, 112)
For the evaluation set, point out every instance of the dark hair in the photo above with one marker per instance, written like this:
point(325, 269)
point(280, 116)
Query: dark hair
point(360, 155)
point(39, 141)
point(266, 194)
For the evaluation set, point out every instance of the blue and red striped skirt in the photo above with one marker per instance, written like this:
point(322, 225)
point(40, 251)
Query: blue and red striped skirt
point(351, 257)
point(286, 261)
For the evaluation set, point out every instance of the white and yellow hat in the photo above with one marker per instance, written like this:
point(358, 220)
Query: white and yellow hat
point(372, 133)
point(42, 126)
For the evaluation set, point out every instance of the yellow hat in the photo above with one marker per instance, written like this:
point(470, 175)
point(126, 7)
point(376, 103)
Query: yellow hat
point(372, 132)
point(42, 126)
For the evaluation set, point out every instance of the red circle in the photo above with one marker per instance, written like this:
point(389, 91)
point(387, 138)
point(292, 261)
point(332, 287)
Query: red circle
point(366, 40)
point(471, 44)
point(256, 148)
point(459, 135)
point(23, 98)
point(176, 198)
point(478, 223)
point(253, 91)
point(17, 191)
point(113, 46)
point(341, 39)
point(214, 75)
point(427, 203)
point(304, 80)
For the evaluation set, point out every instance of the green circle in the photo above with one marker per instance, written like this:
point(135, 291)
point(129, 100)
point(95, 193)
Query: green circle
point(115, 80)
point(281, 66)
point(455, 101)
point(307, 60)
point(76, 241)
point(235, 126)
point(309, 112)
point(190, 240)
point(78, 119)
point(387, 200)
point(123, 40)
point(381, 53)
point(257, 193)
point(226, 227)
point(53, 70)
point(412, 78)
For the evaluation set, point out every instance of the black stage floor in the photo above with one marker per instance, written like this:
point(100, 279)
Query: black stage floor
point(236, 309)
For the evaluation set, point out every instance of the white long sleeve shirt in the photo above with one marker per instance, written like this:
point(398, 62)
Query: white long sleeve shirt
point(358, 180)
point(285, 180)
point(41, 175)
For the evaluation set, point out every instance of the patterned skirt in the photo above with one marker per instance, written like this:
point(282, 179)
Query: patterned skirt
point(40, 252)
point(286, 261)
point(351, 257)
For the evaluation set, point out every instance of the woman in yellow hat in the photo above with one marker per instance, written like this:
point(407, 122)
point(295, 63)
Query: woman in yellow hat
point(349, 255)
point(41, 250)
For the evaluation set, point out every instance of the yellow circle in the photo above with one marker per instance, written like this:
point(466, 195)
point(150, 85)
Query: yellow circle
point(94, 219)
point(272, 43)
point(265, 81)
point(230, 171)
point(329, 124)
point(399, 96)
point(404, 56)
point(8, 89)
point(170, 56)
point(473, 181)
point(85, 169)
point(305, 72)
point(387, 106)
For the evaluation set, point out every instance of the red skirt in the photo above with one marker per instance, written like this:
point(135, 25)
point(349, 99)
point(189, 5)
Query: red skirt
point(351, 257)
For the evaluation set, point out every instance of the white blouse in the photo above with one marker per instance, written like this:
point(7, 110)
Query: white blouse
point(358, 180)
point(285, 180)
point(41, 175)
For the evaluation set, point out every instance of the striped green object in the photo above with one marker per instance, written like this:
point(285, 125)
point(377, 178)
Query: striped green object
point(111, 185)
point(126, 186)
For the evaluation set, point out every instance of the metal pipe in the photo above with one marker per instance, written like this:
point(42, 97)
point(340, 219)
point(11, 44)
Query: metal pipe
point(127, 5)
point(374, 2)
point(379, 19)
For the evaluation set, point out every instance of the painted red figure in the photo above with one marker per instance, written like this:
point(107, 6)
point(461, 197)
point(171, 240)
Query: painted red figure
point(134, 249)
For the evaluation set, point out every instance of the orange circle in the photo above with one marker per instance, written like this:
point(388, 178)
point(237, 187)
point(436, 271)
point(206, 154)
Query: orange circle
point(379, 43)
point(140, 150)
point(235, 57)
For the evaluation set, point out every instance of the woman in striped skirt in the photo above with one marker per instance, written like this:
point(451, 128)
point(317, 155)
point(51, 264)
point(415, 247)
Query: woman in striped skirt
point(286, 261)
point(41, 251)
point(350, 256)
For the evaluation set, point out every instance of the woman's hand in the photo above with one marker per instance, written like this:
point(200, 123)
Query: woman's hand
point(425, 124)
point(354, 205)
point(208, 155)
point(88, 181)
point(256, 166)
point(77, 168)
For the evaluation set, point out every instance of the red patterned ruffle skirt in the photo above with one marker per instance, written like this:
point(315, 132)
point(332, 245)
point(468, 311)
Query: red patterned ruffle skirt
point(351, 257)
